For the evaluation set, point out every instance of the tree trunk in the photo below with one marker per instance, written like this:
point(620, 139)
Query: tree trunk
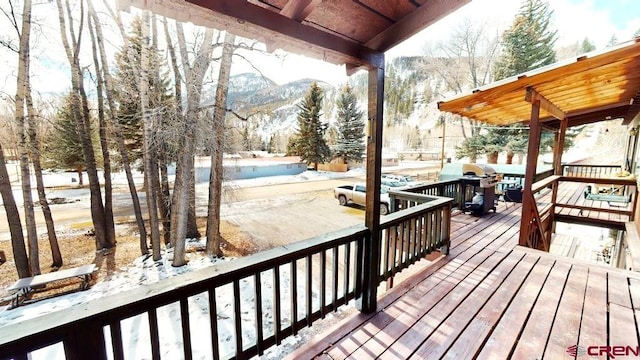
point(23, 145)
point(126, 164)
point(164, 197)
point(194, 80)
point(492, 158)
point(83, 126)
point(79, 172)
point(510, 155)
point(13, 218)
point(56, 255)
point(217, 131)
point(150, 152)
point(192, 225)
point(110, 231)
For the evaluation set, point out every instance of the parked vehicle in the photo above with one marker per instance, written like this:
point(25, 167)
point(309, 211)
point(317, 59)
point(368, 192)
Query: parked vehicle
point(357, 194)
point(393, 183)
point(399, 180)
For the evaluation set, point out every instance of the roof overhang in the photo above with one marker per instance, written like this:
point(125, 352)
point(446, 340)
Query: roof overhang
point(595, 87)
point(351, 32)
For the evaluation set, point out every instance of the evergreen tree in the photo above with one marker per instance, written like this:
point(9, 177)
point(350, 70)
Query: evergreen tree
point(350, 135)
point(246, 140)
point(613, 41)
point(64, 147)
point(528, 43)
point(129, 116)
point(271, 147)
point(586, 46)
point(636, 34)
point(309, 141)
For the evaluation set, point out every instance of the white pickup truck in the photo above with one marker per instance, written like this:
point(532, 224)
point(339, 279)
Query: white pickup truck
point(357, 193)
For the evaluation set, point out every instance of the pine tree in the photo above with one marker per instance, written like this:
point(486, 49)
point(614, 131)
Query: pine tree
point(350, 135)
point(528, 43)
point(129, 114)
point(246, 140)
point(586, 46)
point(64, 147)
point(309, 141)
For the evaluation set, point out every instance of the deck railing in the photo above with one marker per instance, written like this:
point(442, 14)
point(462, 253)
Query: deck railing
point(590, 171)
point(448, 188)
point(255, 300)
point(411, 234)
point(549, 206)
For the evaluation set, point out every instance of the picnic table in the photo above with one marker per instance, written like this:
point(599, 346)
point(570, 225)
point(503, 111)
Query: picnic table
point(26, 285)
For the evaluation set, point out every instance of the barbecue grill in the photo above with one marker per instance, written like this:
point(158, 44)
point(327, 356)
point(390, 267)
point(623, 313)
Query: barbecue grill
point(478, 184)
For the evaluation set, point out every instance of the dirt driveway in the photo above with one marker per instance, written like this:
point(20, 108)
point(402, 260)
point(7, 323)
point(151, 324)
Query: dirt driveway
point(272, 214)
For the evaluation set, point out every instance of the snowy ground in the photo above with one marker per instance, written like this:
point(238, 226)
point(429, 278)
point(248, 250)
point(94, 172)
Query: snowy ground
point(135, 330)
point(144, 271)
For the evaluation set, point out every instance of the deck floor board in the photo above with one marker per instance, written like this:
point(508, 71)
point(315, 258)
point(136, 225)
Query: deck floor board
point(491, 299)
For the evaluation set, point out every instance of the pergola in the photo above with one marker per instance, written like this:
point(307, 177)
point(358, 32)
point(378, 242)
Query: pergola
point(355, 33)
point(595, 87)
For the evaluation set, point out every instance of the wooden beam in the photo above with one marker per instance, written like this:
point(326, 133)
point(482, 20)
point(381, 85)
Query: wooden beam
point(367, 302)
point(273, 21)
point(427, 14)
point(530, 172)
point(559, 147)
point(534, 96)
point(298, 10)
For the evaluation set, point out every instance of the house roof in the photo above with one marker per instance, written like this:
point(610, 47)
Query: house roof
point(595, 87)
point(351, 32)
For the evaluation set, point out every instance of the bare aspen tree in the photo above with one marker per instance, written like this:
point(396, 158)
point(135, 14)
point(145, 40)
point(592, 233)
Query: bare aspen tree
point(80, 107)
point(23, 144)
point(150, 153)
point(126, 163)
point(29, 135)
point(164, 197)
point(56, 255)
point(194, 76)
point(110, 231)
point(464, 61)
point(217, 132)
point(13, 218)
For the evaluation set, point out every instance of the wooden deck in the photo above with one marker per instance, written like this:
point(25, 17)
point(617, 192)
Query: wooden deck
point(571, 199)
point(491, 299)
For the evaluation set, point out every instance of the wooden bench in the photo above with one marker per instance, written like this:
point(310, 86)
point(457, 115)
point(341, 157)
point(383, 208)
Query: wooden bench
point(26, 285)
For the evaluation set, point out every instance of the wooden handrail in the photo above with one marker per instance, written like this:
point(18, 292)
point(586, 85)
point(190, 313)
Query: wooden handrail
point(607, 180)
point(546, 182)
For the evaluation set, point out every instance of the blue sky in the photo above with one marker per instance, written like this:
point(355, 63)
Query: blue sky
point(620, 12)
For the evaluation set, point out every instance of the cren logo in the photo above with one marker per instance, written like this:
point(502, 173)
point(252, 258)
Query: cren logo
point(576, 350)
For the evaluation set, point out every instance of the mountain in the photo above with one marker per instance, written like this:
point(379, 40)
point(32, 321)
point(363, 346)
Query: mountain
point(267, 110)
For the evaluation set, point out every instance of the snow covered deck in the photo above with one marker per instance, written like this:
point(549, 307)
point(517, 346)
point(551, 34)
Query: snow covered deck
point(492, 299)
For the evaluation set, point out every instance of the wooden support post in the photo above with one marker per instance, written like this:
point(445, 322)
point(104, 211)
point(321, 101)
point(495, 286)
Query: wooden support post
point(532, 160)
point(371, 264)
point(559, 147)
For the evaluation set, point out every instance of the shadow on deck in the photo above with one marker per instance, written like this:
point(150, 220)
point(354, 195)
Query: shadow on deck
point(492, 299)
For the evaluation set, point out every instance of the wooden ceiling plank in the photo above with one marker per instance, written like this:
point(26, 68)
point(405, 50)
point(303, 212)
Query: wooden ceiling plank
point(425, 15)
point(298, 10)
point(391, 9)
point(276, 22)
